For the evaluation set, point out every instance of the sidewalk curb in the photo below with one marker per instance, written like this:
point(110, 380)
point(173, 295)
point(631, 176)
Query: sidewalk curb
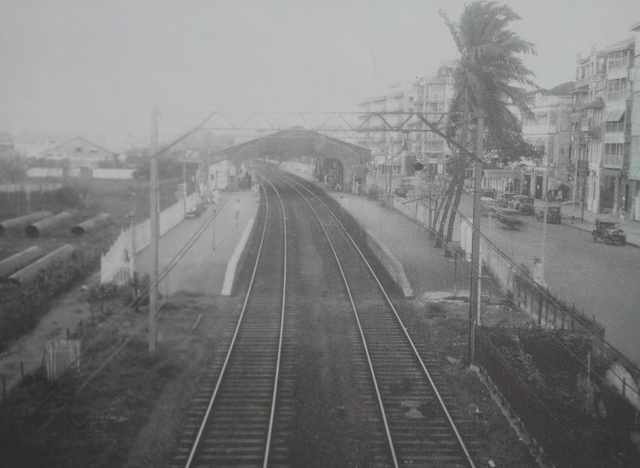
point(232, 267)
point(632, 244)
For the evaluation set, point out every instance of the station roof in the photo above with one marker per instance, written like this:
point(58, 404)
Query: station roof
point(297, 141)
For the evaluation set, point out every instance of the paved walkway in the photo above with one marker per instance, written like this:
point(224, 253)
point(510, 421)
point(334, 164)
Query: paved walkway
point(202, 266)
point(201, 270)
point(429, 272)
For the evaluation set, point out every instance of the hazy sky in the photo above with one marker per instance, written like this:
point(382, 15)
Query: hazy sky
point(95, 67)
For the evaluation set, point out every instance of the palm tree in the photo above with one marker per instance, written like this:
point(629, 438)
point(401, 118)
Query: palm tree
point(487, 80)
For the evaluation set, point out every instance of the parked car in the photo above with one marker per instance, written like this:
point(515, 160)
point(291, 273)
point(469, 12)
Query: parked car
point(489, 193)
point(504, 199)
point(197, 211)
point(523, 204)
point(609, 232)
point(553, 215)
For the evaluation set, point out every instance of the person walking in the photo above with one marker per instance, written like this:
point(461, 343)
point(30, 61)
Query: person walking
point(238, 206)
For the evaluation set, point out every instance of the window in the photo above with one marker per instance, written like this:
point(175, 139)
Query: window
point(618, 59)
point(613, 149)
point(616, 89)
point(613, 154)
point(615, 127)
point(541, 118)
point(552, 118)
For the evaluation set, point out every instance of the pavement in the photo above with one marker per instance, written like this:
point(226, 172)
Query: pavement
point(431, 275)
point(200, 270)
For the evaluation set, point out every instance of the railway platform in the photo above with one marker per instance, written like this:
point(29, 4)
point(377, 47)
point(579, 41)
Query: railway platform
point(429, 272)
point(200, 270)
point(203, 267)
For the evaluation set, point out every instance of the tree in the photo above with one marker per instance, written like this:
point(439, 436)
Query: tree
point(483, 81)
point(12, 167)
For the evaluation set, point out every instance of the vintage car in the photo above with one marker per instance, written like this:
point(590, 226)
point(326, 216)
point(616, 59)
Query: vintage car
point(523, 204)
point(609, 232)
point(197, 211)
point(507, 217)
point(504, 199)
point(553, 215)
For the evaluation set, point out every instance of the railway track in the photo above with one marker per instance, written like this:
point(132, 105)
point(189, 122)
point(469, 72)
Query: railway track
point(419, 428)
point(248, 411)
point(236, 409)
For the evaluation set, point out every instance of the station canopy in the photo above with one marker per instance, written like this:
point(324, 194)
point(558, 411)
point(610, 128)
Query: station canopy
point(295, 142)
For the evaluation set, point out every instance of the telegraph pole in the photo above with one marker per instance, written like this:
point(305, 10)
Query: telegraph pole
point(153, 281)
point(474, 298)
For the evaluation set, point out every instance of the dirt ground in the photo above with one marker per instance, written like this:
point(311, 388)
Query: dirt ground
point(132, 414)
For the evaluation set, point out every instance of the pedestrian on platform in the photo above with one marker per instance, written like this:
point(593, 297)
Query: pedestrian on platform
point(238, 206)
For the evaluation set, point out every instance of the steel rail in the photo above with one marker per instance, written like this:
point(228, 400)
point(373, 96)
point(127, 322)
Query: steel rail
point(364, 341)
point(402, 326)
point(284, 296)
point(236, 333)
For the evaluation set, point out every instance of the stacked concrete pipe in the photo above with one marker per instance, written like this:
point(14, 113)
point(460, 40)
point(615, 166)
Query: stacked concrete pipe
point(28, 274)
point(22, 221)
point(15, 262)
point(90, 224)
point(46, 225)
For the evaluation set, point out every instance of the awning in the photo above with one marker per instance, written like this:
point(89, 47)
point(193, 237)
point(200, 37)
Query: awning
point(615, 116)
point(597, 103)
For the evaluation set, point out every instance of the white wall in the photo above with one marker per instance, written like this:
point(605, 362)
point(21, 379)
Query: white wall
point(113, 173)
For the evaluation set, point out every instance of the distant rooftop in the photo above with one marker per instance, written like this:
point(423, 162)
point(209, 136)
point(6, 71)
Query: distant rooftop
point(624, 44)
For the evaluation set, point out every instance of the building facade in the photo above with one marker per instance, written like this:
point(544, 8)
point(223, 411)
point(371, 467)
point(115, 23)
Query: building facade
point(634, 150)
point(78, 152)
point(602, 130)
point(427, 95)
point(549, 128)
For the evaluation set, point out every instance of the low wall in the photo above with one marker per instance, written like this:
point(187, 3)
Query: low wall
point(390, 263)
point(45, 172)
point(112, 173)
point(233, 267)
point(117, 264)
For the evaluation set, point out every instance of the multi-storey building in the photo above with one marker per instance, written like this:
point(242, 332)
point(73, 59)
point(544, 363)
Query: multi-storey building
point(427, 95)
point(549, 128)
point(633, 197)
point(601, 136)
point(432, 97)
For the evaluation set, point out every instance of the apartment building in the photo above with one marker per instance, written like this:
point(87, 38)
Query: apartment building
point(432, 96)
point(427, 95)
point(633, 198)
point(602, 98)
point(549, 128)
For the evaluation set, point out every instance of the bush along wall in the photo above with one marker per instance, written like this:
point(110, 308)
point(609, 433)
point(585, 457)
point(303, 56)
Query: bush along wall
point(22, 307)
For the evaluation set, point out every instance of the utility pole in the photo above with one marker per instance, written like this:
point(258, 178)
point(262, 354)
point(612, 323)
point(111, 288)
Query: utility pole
point(184, 186)
point(153, 225)
point(576, 153)
point(545, 194)
point(474, 299)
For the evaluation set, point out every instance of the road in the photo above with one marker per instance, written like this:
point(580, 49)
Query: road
point(601, 279)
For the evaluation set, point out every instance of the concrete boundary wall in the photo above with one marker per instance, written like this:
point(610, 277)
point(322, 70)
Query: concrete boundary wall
point(117, 263)
point(390, 263)
point(232, 267)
